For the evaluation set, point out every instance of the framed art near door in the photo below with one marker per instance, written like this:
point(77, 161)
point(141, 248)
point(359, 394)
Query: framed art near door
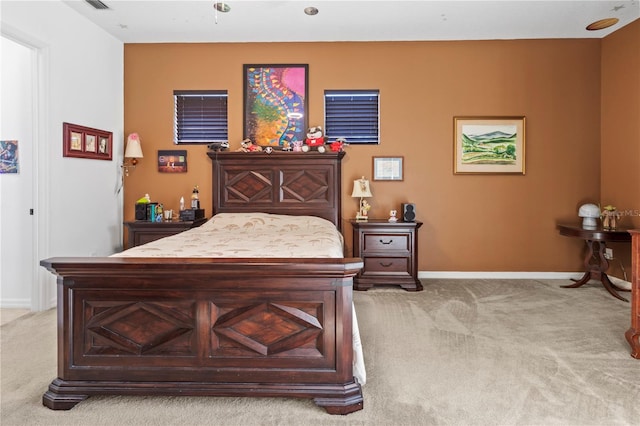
point(86, 142)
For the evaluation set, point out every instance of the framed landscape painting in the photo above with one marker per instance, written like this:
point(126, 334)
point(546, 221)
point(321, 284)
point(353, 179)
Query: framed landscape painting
point(489, 145)
point(275, 104)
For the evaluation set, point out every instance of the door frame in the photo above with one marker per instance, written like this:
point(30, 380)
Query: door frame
point(43, 294)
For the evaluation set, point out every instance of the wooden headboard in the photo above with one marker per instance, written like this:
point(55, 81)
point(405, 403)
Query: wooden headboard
point(295, 183)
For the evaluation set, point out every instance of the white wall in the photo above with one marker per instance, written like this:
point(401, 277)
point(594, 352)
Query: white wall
point(79, 212)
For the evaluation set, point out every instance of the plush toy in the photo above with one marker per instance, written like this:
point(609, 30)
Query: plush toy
point(218, 146)
point(315, 140)
point(248, 146)
point(338, 145)
point(297, 146)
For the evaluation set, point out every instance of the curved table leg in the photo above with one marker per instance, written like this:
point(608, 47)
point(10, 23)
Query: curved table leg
point(606, 282)
point(597, 270)
point(585, 278)
point(588, 266)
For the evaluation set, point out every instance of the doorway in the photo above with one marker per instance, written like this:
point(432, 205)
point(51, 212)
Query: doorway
point(19, 282)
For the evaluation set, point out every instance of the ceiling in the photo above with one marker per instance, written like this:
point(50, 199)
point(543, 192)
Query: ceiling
point(165, 21)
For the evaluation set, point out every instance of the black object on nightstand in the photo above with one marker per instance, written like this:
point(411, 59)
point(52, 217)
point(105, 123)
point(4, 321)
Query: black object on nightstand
point(142, 231)
point(389, 251)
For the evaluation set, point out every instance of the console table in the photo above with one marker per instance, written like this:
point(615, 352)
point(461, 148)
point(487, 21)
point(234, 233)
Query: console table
point(596, 266)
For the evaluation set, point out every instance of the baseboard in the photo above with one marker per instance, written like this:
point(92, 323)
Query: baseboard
point(512, 275)
point(15, 304)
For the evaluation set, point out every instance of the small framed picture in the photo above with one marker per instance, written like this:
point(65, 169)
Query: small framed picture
point(103, 146)
point(388, 168)
point(90, 143)
point(76, 141)
point(86, 142)
point(9, 157)
point(172, 161)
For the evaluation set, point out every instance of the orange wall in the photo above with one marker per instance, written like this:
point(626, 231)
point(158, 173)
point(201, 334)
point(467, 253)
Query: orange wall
point(620, 128)
point(471, 222)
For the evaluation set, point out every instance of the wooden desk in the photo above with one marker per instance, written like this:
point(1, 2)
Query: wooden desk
point(596, 266)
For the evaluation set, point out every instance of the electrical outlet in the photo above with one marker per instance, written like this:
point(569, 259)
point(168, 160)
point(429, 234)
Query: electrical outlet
point(608, 253)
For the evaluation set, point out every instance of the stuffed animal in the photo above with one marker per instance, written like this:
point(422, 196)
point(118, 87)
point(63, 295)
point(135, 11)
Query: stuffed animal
point(297, 146)
point(338, 145)
point(248, 146)
point(218, 146)
point(315, 140)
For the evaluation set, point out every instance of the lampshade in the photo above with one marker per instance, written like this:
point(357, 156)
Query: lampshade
point(133, 150)
point(361, 188)
point(589, 213)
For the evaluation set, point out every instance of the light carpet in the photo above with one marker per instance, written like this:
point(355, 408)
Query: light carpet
point(461, 352)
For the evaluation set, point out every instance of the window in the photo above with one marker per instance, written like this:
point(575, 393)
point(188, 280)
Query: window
point(353, 115)
point(200, 116)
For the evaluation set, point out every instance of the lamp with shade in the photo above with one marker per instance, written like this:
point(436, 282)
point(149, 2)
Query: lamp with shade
point(362, 190)
point(132, 152)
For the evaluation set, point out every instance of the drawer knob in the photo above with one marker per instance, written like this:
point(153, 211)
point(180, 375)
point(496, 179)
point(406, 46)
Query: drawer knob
point(386, 265)
point(386, 242)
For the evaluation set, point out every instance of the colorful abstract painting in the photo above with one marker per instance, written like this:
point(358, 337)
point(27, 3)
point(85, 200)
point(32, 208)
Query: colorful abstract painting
point(275, 104)
point(489, 145)
point(9, 157)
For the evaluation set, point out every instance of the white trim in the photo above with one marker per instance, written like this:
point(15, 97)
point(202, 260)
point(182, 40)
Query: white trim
point(512, 275)
point(499, 275)
point(16, 304)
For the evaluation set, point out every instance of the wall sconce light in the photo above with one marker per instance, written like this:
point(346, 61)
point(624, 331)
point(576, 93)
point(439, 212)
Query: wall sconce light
point(132, 153)
point(362, 190)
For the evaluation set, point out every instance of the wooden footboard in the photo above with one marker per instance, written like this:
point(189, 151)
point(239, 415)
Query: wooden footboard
point(214, 327)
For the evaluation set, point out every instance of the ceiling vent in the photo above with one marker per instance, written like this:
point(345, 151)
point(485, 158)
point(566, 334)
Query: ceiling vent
point(97, 4)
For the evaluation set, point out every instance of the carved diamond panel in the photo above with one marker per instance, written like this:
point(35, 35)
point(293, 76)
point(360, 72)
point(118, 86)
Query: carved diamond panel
point(140, 329)
point(268, 328)
point(306, 186)
point(248, 187)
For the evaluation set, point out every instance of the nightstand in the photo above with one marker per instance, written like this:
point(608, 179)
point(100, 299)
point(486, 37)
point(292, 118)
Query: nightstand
point(142, 231)
point(389, 251)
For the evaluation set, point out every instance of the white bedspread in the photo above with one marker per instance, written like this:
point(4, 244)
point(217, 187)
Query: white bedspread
point(258, 235)
point(249, 235)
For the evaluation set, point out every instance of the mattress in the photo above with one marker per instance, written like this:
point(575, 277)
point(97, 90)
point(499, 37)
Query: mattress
point(251, 235)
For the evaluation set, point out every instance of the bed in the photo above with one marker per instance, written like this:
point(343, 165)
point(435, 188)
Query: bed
point(217, 326)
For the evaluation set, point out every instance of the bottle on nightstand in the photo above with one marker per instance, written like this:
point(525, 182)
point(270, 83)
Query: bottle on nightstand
point(195, 198)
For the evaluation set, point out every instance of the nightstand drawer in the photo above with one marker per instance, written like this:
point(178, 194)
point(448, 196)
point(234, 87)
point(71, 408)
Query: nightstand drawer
point(386, 265)
point(386, 242)
point(142, 231)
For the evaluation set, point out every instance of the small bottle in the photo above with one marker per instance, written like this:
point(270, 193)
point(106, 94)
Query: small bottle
point(195, 198)
point(181, 203)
